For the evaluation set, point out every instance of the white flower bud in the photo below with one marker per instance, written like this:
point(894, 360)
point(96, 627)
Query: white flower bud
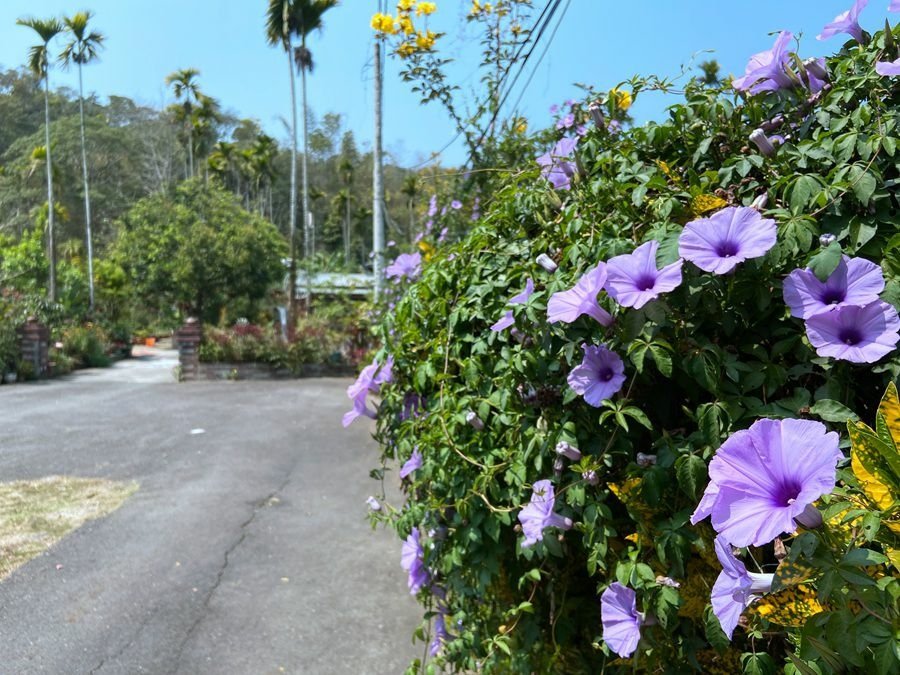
point(374, 504)
point(827, 239)
point(645, 460)
point(591, 477)
point(546, 262)
point(758, 137)
point(760, 202)
point(473, 419)
point(563, 449)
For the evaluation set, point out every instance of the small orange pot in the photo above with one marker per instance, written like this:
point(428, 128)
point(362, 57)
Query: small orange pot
point(150, 342)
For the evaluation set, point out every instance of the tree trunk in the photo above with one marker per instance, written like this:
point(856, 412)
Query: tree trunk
point(51, 233)
point(377, 183)
point(307, 221)
point(292, 275)
point(347, 227)
point(87, 194)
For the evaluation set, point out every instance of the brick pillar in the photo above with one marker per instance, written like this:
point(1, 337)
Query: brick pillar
point(187, 341)
point(34, 343)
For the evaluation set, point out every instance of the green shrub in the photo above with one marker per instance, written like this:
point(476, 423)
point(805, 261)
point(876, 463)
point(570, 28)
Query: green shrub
point(86, 345)
point(701, 363)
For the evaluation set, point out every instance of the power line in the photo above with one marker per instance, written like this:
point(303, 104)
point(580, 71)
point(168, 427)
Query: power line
point(543, 54)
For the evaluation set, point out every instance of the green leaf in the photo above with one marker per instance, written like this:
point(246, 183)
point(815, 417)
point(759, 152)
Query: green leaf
point(826, 261)
point(714, 633)
point(690, 471)
point(662, 359)
point(832, 411)
point(802, 192)
point(863, 184)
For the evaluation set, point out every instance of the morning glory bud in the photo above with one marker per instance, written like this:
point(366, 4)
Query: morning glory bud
point(816, 68)
point(591, 477)
point(558, 467)
point(760, 202)
point(597, 115)
point(563, 449)
point(374, 504)
point(667, 581)
point(645, 460)
point(546, 262)
point(473, 419)
point(827, 239)
point(759, 138)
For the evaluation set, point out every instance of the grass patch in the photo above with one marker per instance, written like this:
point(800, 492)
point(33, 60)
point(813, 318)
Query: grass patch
point(35, 514)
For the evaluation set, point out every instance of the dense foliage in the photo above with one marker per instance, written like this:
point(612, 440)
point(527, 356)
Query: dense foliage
point(484, 409)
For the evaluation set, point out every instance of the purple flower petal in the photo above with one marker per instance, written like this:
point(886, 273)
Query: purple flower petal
point(767, 71)
point(406, 265)
point(633, 280)
point(620, 618)
point(538, 514)
point(856, 334)
point(412, 464)
point(855, 281)
point(522, 298)
point(600, 375)
point(566, 306)
point(846, 22)
point(735, 234)
point(735, 589)
point(412, 559)
point(504, 322)
point(764, 477)
point(888, 68)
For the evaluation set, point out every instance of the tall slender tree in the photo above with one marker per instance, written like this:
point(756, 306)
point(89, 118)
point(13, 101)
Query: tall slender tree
point(82, 48)
point(286, 20)
point(39, 64)
point(187, 92)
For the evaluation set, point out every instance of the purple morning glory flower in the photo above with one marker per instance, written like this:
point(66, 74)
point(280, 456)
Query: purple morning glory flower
point(456, 205)
point(412, 559)
point(476, 209)
point(888, 68)
point(360, 409)
point(440, 633)
point(538, 514)
point(614, 127)
point(767, 71)
point(718, 243)
point(405, 265)
point(621, 620)
point(412, 405)
point(554, 165)
point(856, 334)
point(600, 374)
point(442, 237)
point(554, 109)
point(855, 281)
point(816, 74)
point(432, 206)
point(412, 464)
point(566, 122)
point(365, 381)
point(385, 374)
point(566, 306)
point(504, 322)
point(764, 478)
point(633, 280)
point(735, 588)
point(846, 22)
point(507, 319)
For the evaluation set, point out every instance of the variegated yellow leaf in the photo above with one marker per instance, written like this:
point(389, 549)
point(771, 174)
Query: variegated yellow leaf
point(867, 459)
point(704, 203)
point(791, 573)
point(790, 607)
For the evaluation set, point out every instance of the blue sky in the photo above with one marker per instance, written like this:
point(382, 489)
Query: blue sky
point(600, 42)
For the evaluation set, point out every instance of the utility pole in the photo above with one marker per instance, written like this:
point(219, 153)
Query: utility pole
point(377, 181)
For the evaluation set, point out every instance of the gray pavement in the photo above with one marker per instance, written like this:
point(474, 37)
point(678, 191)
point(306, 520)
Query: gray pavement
point(246, 549)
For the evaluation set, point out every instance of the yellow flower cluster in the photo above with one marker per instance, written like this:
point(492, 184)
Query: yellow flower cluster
point(425, 8)
point(622, 98)
point(384, 24)
point(425, 41)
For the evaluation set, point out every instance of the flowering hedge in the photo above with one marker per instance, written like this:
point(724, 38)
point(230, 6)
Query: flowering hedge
point(624, 407)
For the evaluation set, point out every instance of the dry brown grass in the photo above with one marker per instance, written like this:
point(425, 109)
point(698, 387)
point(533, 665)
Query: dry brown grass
point(35, 514)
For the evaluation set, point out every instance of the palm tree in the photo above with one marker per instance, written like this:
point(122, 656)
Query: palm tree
point(81, 49)
point(286, 19)
point(345, 170)
point(184, 86)
point(39, 64)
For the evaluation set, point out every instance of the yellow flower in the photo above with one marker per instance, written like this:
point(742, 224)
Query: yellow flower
point(515, 29)
point(406, 49)
point(476, 8)
point(407, 26)
point(522, 126)
point(427, 249)
point(623, 98)
point(405, 5)
point(384, 23)
point(425, 8)
point(425, 41)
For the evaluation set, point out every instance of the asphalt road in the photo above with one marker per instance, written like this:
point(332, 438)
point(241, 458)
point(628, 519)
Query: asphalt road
point(245, 550)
